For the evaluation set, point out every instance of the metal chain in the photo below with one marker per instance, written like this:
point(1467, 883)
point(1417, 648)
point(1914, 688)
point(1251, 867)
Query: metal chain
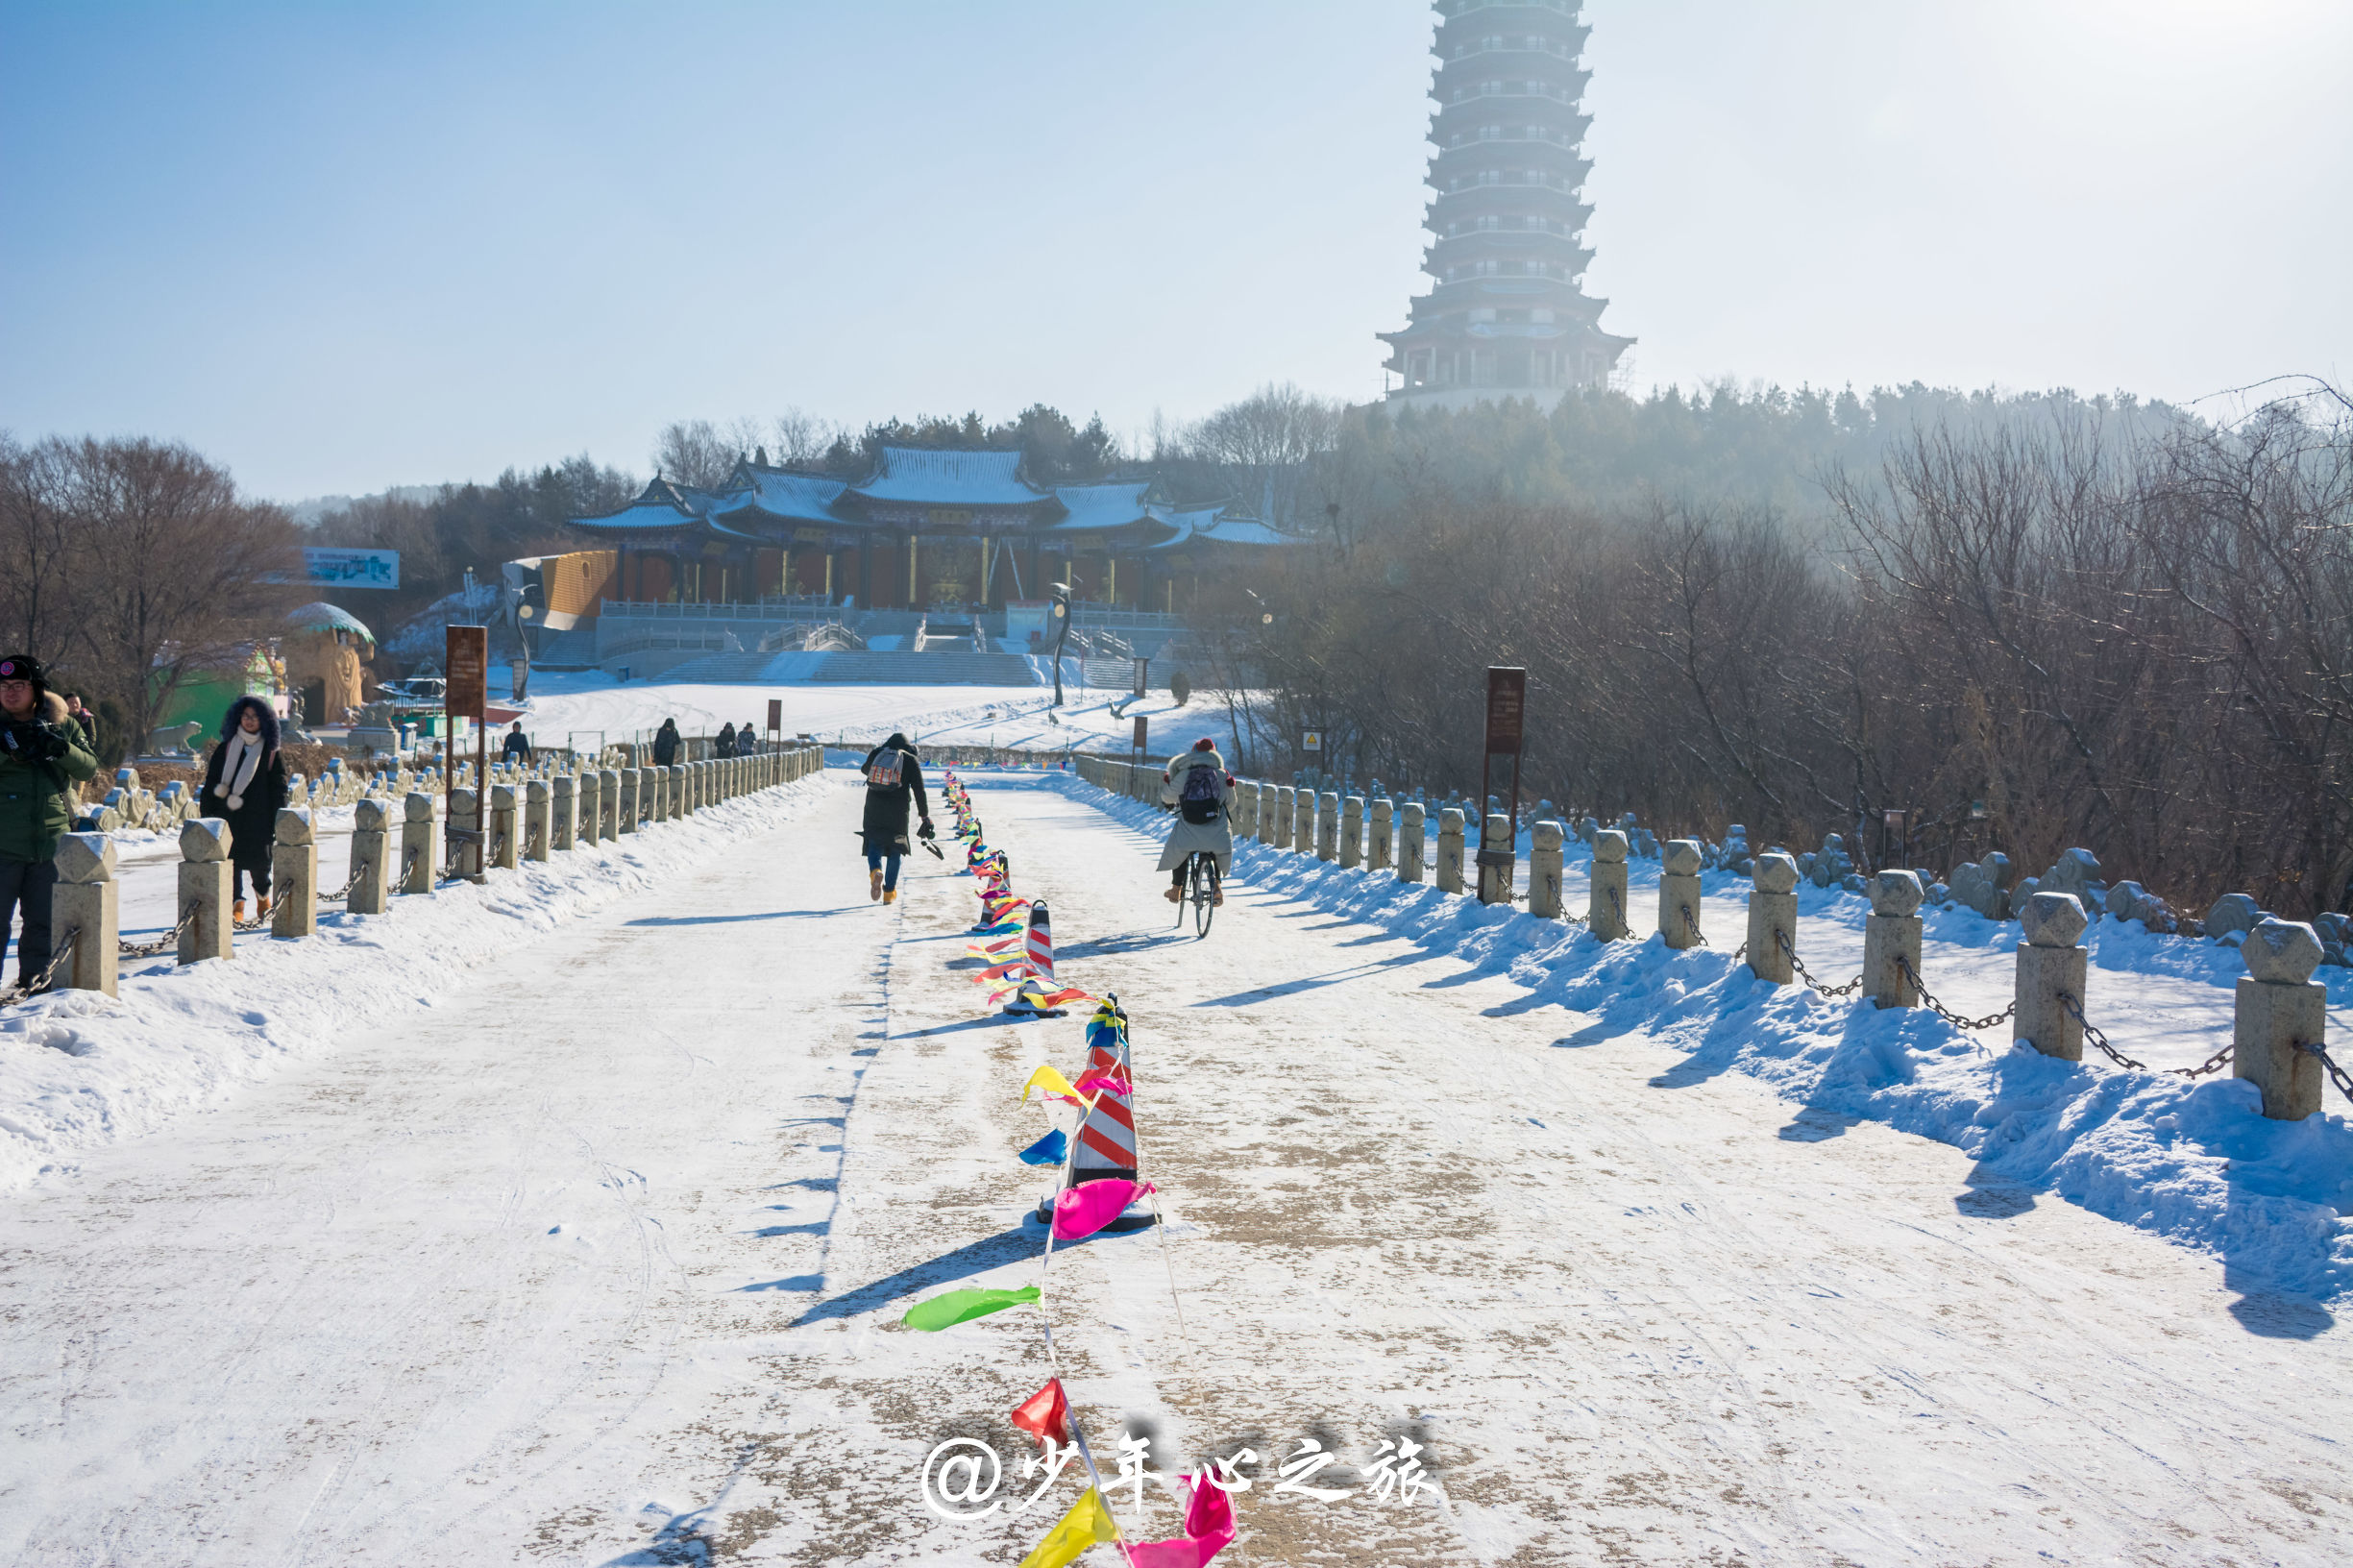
point(1691, 924)
point(1959, 1022)
point(169, 939)
point(345, 892)
point(2328, 1065)
point(1803, 973)
point(2097, 1038)
point(2213, 1064)
point(1561, 904)
point(41, 982)
point(1618, 906)
point(256, 922)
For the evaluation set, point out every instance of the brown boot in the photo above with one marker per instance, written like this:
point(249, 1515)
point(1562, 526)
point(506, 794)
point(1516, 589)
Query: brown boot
point(237, 910)
point(890, 895)
point(873, 889)
point(1176, 896)
point(262, 910)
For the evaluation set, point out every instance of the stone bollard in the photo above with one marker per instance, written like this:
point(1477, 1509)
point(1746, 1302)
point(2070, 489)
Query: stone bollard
point(1499, 859)
point(1328, 826)
point(536, 819)
point(206, 878)
point(563, 811)
point(1678, 893)
point(2051, 969)
point(465, 819)
point(584, 808)
point(420, 844)
point(1379, 852)
point(2281, 1008)
point(1245, 810)
point(1891, 941)
point(682, 799)
point(371, 872)
point(1605, 904)
point(1412, 854)
point(1450, 850)
point(505, 849)
point(1286, 802)
point(1267, 814)
point(294, 875)
point(608, 806)
point(86, 914)
point(1773, 920)
point(1352, 833)
point(665, 797)
point(626, 812)
point(1544, 863)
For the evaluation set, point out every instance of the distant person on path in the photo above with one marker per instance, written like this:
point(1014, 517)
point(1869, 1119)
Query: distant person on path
point(747, 742)
point(893, 779)
point(517, 746)
point(83, 717)
point(1197, 785)
point(666, 743)
point(245, 784)
point(726, 741)
point(42, 757)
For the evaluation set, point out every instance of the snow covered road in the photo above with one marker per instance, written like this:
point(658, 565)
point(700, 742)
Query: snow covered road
point(603, 1263)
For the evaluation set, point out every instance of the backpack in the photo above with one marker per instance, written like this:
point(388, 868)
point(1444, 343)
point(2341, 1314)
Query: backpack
point(882, 772)
point(1198, 800)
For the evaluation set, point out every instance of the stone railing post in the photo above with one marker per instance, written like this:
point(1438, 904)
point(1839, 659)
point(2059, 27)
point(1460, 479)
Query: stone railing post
point(608, 805)
point(1328, 826)
point(2281, 1009)
point(1380, 842)
point(371, 870)
point(1450, 849)
point(536, 815)
point(1267, 814)
point(1678, 893)
point(2051, 969)
point(1243, 808)
point(294, 875)
point(1413, 853)
point(1285, 802)
point(86, 913)
point(1544, 868)
point(420, 843)
point(627, 819)
point(563, 811)
point(1891, 941)
point(465, 818)
point(584, 807)
point(1302, 823)
point(681, 799)
point(505, 853)
point(204, 878)
point(1606, 903)
point(1498, 859)
point(1352, 832)
point(650, 788)
point(1773, 920)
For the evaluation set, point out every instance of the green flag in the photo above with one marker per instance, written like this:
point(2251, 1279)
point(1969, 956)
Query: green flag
point(964, 1306)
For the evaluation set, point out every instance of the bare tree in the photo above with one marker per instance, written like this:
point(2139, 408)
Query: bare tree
point(1264, 443)
point(696, 452)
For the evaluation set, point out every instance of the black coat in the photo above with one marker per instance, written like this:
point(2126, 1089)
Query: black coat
point(885, 827)
point(253, 826)
point(665, 746)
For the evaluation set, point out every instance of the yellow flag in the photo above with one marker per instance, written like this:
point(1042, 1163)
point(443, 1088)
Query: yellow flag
point(1047, 1078)
point(1088, 1523)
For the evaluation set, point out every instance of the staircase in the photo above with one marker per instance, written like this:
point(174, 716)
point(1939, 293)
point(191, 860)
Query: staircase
point(716, 669)
point(933, 668)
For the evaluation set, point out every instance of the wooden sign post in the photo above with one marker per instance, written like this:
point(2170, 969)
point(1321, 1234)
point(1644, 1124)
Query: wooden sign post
point(464, 694)
point(1507, 715)
point(776, 718)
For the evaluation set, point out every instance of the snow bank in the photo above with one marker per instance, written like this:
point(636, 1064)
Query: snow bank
point(2196, 1162)
point(79, 1068)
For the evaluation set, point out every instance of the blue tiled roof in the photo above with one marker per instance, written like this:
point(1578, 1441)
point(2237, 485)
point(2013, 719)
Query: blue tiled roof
point(1094, 507)
point(950, 478)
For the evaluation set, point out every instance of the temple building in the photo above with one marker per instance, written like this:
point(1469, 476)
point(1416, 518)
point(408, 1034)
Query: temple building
point(1507, 316)
point(924, 529)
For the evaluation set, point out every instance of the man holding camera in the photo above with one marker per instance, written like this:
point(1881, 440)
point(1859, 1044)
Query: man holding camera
point(43, 758)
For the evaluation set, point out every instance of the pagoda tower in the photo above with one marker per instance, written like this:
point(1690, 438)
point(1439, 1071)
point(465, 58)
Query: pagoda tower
point(1507, 318)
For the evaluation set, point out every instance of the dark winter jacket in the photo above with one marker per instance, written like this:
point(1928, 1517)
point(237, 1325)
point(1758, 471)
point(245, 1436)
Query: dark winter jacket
point(37, 800)
point(666, 743)
point(726, 741)
point(747, 742)
point(516, 748)
point(885, 827)
point(252, 822)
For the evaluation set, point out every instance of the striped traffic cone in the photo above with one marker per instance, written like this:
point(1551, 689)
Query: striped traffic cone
point(1105, 1147)
point(1035, 992)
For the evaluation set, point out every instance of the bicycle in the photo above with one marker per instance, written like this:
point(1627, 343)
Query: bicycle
point(1202, 882)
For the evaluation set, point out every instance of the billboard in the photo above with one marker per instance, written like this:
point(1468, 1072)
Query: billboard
point(334, 567)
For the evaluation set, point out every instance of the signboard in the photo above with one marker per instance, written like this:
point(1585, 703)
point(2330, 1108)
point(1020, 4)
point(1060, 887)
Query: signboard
point(776, 715)
point(1142, 665)
point(468, 663)
point(1137, 744)
point(1507, 722)
point(1028, 623)
point(327, 567)
point(1311, 741)
point(1507, 707)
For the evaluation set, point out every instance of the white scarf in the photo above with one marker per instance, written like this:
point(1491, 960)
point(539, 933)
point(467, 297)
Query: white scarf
point(238, 768)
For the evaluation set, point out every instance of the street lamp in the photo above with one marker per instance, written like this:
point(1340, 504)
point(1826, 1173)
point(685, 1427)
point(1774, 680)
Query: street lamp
point(1060, 591)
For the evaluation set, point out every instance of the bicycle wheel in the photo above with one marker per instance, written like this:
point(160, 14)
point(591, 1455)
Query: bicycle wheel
point(1204, 892)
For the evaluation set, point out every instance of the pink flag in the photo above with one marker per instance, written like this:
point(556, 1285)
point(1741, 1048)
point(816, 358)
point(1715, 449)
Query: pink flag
point(1209, 1528)
point(1087, 1208)
point(1106, 1082)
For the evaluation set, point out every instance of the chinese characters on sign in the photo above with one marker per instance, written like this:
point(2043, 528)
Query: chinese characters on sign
point(962, 1476)
point(332, 567)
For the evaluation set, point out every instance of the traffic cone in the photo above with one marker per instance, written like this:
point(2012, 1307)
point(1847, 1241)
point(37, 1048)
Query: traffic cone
point(1105, 1147)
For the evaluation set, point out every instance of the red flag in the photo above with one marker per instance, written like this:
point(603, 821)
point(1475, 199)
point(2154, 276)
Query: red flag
point(1046, 1414)
point(1208, 1530)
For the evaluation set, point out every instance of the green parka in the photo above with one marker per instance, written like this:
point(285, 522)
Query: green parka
point(36, 805)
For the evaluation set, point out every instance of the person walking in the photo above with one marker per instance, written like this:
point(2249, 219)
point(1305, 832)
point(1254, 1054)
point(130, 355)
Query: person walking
point(726, 741)
point(245, 786)
point(893, 780)
point(517, 746)
point(666, 743)
point(747, 742)
point(83, 717)
point(1197, 785)
point(43, 758)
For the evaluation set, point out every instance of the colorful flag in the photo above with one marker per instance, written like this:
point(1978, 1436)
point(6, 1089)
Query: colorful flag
point(1106, 1083)
point(1046, 1414)
point(1087, 1208)
point(963, 1305)
point(1052, 1081)
point(1088, 1523)
point(1208, 1530)
point(1048, 1150)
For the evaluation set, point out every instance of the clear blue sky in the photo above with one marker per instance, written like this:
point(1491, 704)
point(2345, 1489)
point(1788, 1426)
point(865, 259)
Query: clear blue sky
point(340, 246)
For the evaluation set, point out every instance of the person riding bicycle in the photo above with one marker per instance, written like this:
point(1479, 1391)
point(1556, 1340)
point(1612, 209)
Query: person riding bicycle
point(1197, 785)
